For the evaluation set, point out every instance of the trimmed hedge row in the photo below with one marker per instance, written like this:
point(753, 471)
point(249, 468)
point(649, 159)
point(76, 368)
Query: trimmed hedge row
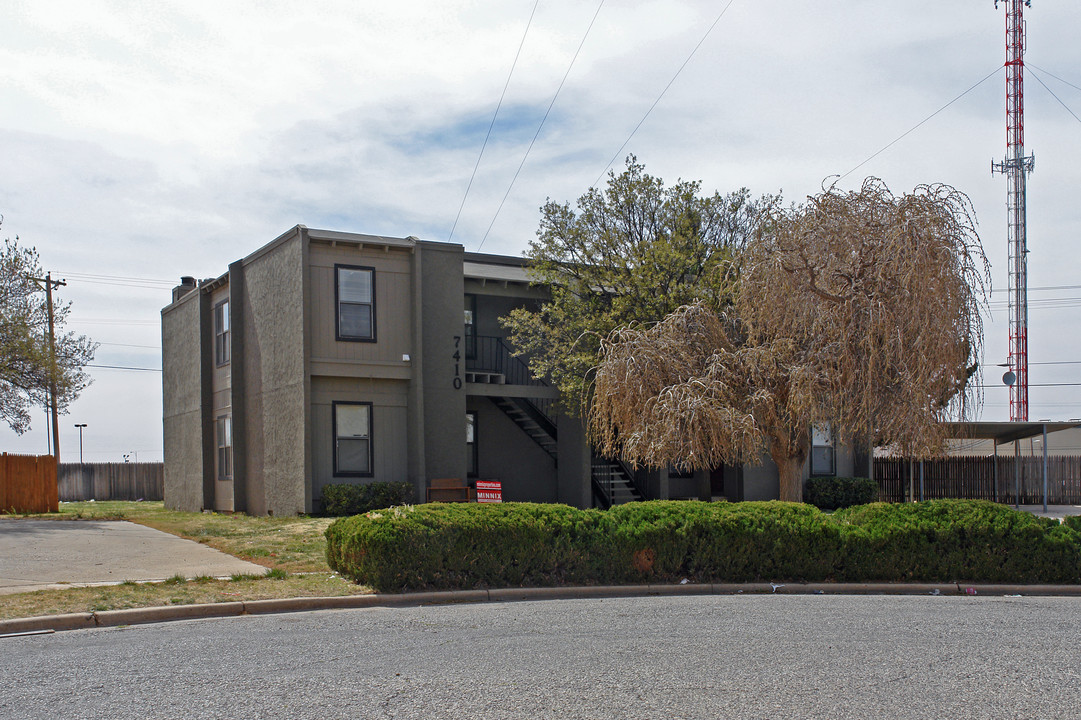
point(347, 499)
point(831, 493)
point(459, 546)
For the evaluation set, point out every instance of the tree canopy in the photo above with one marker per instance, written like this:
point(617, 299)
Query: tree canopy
point(26, 364)
point(856, 310)
point(631, 253)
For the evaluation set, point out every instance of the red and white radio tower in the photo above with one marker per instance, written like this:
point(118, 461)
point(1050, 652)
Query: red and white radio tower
point(1016, 166)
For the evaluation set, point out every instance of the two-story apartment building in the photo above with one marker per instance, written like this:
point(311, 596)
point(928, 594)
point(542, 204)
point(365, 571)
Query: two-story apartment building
point(330, 357)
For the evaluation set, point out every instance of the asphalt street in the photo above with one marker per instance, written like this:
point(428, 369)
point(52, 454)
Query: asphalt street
point(737, 656)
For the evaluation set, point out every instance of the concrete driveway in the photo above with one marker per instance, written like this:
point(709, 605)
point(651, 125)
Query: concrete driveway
point(42, 554)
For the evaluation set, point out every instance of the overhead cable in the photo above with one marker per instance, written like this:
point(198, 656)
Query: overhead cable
point(537, 134)
point(621, 147)
point(917, 125)
point(1037, 76)
point(494, 116)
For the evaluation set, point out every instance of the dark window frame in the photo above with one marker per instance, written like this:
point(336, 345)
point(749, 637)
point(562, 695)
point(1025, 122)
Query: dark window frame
point(224, 451)
point(338, 267)
point(832, 445)
point(334, 439)
point(222, 334)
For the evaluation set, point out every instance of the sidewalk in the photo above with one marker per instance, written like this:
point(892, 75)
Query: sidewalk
point(45, 554)
point(1053, 511)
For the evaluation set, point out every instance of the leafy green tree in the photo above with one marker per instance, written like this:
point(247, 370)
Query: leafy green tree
point(630, 254)
point(26, 364)
point(857, 310)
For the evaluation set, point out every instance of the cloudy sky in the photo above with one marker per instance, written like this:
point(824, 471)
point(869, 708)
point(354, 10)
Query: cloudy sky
point(145, 141)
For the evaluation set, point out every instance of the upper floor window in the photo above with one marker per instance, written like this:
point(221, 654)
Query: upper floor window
point(221, 332)
point(823, 461)
point(470, 326)
point(354, 289)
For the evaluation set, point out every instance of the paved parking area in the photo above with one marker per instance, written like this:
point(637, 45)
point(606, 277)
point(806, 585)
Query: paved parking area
point(40, 554)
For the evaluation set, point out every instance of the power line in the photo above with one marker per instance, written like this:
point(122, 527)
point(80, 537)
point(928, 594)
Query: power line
point(1046, 362)
point(1049, 74)
point(123, 367)
point(116, 278)
point(494, 116)
point(621, 147)
point(917, 125)
point(1045, 287)
point(109, 321)
point(1037, 76)
point(537, 134)
point(994, 385)
point(148, 347)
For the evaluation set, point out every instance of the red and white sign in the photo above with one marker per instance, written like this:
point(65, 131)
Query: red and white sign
point(489, 491)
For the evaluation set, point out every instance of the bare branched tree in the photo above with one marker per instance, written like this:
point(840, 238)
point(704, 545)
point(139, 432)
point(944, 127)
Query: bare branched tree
point(858, 311)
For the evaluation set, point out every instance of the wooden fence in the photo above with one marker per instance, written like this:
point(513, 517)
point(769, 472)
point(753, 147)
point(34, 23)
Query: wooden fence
point(1004, 479)
point(28, 484)
point(111, 481)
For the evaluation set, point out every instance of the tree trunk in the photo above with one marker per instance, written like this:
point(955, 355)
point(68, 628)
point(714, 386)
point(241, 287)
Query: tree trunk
point(790, 475)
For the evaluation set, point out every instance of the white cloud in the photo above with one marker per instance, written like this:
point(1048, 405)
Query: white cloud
point(160, 139)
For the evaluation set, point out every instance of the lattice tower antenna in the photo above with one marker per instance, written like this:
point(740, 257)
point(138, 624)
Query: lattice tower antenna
point(1016, 166)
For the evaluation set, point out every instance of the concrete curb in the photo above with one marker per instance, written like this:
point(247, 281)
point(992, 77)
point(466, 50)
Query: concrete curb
point(137, 616)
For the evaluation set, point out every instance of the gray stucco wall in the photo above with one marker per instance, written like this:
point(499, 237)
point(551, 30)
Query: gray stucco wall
point(274, 427)
point(575, 464)
point(443, 399)
point(182, 406)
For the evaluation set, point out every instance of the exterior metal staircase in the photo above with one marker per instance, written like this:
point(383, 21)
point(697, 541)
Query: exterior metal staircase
point(613, 483)
point(490, 360)
point(532, 421)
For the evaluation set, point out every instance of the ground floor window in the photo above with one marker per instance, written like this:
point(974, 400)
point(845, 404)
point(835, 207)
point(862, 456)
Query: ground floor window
point(823, 451)
point(224, 435)
point(352, 438)
point(471, 443)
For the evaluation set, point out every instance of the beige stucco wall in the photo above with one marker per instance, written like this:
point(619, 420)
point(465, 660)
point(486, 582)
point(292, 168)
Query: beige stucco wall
point(389, 449)
point(182, 404)
point(382, 358)
point(274, 422)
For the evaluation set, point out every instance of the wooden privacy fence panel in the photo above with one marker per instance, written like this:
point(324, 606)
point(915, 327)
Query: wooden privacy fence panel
point(1004, 479)
point(28, 484)
point(111, 481)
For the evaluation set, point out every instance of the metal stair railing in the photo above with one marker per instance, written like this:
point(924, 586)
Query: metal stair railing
point(492, 354)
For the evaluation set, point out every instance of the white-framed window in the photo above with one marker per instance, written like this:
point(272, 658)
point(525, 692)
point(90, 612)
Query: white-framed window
point(354, 293)
point(224, 436)
point(353, 438)
point(470, 326)
point(471, 443)
point(222, 350)
point(823, 451)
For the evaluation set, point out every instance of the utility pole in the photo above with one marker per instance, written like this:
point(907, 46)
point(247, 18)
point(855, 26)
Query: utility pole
point(1016, 166)
point(49, 284)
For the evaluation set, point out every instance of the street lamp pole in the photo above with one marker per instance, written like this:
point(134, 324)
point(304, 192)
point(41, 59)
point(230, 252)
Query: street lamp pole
point(80, 426)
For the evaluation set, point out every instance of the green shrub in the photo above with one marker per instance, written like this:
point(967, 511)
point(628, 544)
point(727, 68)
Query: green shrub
point(469, 545)
point(946, 540)
point(831, 493)
point(341, 500)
